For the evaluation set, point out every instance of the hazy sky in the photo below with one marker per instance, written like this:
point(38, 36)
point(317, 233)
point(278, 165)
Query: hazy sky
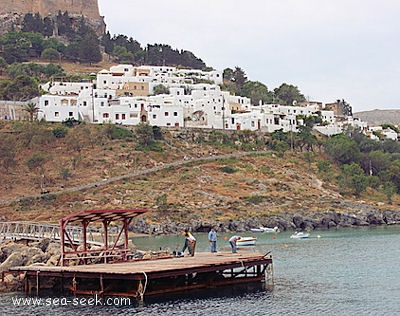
point(329, 49)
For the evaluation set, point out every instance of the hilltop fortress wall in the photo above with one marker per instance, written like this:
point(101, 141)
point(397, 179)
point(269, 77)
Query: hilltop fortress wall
point(87, 8)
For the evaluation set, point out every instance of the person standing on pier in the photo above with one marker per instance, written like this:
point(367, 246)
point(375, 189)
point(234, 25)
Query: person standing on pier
point(190, 243)
point(233, 241)
point(212, 238)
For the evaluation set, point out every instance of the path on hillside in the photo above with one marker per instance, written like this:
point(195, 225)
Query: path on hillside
point(134, 174)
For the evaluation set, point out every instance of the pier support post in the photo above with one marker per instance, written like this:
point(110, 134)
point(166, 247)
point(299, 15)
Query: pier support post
point(269, 274)
point(37, 282)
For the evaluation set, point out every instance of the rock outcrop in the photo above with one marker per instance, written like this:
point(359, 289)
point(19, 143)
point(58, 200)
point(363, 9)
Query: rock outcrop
point(12, 12)
point(87, 8)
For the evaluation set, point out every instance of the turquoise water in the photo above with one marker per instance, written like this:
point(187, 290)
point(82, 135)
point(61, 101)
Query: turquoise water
point(344, 272)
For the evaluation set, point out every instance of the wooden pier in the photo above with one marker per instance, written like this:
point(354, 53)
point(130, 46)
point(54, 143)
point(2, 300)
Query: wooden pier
point(149, 277)
point(119, 275)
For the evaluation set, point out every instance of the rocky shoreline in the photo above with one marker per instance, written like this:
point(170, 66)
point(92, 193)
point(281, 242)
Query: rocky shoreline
point(46, 252)
point(365, 215)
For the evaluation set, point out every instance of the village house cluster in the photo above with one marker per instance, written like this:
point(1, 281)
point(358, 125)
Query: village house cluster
point(171, 97)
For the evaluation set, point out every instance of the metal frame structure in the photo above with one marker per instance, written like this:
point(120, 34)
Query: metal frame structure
point(109, 250)
point(21, 230)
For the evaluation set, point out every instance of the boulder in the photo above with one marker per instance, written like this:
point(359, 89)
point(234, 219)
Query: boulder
point(53, 249)
point(13, 260)
point(53, 260)
point(43, 244)
point(3, 256)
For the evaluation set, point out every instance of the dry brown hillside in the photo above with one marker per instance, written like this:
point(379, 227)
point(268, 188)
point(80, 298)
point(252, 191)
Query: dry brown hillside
point(206, 183)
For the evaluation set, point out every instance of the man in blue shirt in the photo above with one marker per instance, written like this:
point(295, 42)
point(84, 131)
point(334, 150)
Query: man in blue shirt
point(212, 238)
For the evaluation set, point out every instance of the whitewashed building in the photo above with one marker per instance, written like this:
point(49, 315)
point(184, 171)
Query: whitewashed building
point(125, 95)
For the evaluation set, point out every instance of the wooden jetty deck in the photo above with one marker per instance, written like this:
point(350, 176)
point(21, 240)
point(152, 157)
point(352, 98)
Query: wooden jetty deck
point(149, 277)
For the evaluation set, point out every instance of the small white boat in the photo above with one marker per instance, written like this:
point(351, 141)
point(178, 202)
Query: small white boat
point(300, 235)
point(265, 230)
point(246, 241)
point(257, 230)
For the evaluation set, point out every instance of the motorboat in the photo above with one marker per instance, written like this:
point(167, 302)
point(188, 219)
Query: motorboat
point(262, 229)
point(300, 235)
point(246, 241)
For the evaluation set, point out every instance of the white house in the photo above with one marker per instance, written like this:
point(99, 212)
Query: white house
point(124, 95)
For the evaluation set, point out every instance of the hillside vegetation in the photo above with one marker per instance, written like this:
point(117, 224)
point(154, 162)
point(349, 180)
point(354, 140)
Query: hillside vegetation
point(215, 176)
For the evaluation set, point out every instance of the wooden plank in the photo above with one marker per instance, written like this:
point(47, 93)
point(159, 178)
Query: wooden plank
point(200, 260)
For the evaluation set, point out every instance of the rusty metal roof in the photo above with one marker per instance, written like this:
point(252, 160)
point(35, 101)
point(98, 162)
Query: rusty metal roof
point(101, 215)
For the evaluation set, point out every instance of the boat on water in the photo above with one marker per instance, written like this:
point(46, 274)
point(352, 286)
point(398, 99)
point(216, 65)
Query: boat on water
point(246, 241)
point(262, 229)
point(300, 235)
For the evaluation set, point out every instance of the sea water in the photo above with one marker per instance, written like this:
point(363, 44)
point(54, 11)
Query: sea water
point(352, 271)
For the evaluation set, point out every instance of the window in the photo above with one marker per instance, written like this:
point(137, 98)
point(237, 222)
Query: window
point(123, 116)
point(106, 115)
point(166, 114)
point(175, 113)
point(154, 116)
point(71, 114)
point(46, 102)
point(57, 114)
point(84, 103)
point(117, 116)
point(102, 103)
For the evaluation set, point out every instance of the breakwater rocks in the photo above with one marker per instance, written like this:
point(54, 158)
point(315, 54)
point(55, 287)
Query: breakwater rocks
point(23, 254)
point(364, 215)
point(46, 252)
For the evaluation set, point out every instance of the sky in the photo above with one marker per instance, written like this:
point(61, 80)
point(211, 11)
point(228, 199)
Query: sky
point(329, 49)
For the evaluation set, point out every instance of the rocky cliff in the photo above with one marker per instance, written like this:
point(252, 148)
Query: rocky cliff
point(12, 12)
point(87, 8)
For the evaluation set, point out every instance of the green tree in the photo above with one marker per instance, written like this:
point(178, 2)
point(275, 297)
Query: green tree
point(377, 161)
point(123, 56)
point(36, 161)
point(342, 150)
point(15, 47)
point(257, 92)
point(280, 146)
point(144, 134)
point(48, 27)
point(288, 94)
point(394, 171)
point(50, 54)
point(239, 77)
point(32, 23)
point(32, 109)
point(22, 88)
point(3, 65)
point(305, 138)
point(60, 132)
point(353, 179)
point(89, 49)
point(160, 89)
point(228, 74)
point(390, 189)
